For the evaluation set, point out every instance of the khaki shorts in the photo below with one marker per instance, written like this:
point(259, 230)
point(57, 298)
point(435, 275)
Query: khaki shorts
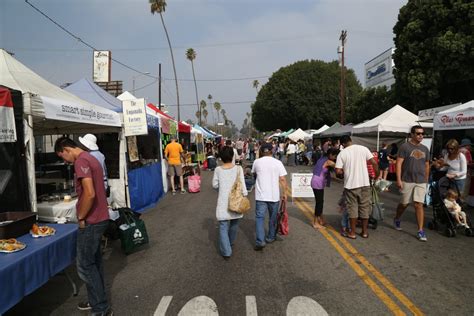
point(412, 192)
point(358, 202)
point(175, 170)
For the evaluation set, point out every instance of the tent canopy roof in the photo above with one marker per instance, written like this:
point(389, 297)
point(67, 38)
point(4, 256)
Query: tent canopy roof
point(396, 120)
point(299, 134)
point(44, 101)
point(89, 91)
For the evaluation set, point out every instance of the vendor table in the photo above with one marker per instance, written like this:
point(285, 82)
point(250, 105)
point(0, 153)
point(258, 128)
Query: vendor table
point(24, 271)
point(51, 211)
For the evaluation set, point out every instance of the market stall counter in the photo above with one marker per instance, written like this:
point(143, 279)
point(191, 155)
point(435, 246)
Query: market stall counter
point(24, 271)
point(58, 211)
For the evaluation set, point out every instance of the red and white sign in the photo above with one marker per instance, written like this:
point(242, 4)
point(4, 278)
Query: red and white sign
point(7, 117)
point(454, 120)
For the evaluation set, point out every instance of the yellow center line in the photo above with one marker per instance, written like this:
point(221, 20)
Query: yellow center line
point(399, 295)
point(392, 306)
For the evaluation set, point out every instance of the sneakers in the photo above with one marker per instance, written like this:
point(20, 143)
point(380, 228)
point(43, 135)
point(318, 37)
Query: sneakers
point(183, 191)
point(396, 223)
point(258, 248)
point(84, 306)
point(421, 236)
point(173, 192)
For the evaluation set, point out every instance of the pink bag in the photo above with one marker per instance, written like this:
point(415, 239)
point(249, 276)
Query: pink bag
point(194, 183)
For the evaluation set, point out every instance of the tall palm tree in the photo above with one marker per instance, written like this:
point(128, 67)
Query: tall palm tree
point(204, 113)
point(202, 107)
point(191, 56)
point(159, 6)
point(218, 108)
point(209, 97)
point(255, 84)
point(249, 120)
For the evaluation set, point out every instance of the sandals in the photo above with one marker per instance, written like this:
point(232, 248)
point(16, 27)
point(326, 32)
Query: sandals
point(364, 235)
point(351, 237)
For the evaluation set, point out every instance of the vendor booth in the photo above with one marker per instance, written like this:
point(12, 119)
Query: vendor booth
point(299, 134)
point(49, 110)
point(392, 126)
point(336, 131)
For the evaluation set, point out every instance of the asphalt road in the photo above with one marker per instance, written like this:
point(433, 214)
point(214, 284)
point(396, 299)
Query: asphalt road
point(310, 272)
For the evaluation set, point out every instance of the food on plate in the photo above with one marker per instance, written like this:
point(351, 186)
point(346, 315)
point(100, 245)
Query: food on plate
point(11, 245)
point(42, 230)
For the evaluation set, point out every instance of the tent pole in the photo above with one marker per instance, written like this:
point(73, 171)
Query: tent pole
point(378, 139)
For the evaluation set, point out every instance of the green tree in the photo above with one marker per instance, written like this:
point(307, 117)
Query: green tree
point(209, 97)
point(370, 103)
point(304, 94)
point(434, 56)
point(159, 6)
point(191, 56)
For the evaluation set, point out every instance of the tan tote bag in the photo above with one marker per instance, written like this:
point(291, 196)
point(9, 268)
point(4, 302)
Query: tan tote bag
point(237, 201)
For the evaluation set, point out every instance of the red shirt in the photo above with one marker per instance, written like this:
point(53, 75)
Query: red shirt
point(86, 166)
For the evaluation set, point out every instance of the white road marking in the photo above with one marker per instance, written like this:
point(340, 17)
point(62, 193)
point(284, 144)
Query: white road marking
point(199, 306)
point(304, 306)
point(163, 306)
point(251, 305)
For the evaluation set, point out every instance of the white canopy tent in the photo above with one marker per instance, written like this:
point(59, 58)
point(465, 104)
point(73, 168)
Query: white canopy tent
point(318, 131)
point(392, 124)
point(50, 110)
point(299, 134)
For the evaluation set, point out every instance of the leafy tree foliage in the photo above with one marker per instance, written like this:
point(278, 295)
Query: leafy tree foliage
point(370, 103)
point(304, 94)
point(434, 56)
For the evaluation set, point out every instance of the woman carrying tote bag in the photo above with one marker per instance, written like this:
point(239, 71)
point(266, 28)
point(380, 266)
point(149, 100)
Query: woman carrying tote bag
point(223, 180)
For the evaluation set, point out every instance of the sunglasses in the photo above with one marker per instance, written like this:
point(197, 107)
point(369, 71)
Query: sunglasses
point(420, 133)
point(450, 148)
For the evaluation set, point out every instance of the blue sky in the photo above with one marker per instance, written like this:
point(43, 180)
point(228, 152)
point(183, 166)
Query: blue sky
point(233, 40)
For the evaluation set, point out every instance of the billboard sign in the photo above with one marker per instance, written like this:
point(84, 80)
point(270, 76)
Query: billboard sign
point(378, 71)
point(102, 63)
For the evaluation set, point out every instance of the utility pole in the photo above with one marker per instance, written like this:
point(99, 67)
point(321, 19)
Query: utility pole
point(159, 86)
point(342, 38)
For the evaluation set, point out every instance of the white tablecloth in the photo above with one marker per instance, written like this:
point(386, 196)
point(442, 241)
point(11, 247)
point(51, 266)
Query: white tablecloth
point(52, 211)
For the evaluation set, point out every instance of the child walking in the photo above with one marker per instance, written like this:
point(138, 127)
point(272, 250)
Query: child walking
point(345, 227)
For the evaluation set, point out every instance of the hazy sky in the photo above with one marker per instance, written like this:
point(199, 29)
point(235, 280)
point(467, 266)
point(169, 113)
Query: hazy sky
point(233, 40)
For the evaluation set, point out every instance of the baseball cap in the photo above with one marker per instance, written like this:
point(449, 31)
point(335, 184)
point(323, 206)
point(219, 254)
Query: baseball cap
point(266, 147)
point(465, 142)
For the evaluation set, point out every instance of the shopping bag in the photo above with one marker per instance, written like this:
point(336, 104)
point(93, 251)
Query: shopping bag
point(237, 201)
point(282, 219)
point(377, 211)
point(132, 232)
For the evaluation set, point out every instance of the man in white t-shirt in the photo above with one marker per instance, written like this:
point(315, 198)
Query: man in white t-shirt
point(270, 177)
point(352, 163)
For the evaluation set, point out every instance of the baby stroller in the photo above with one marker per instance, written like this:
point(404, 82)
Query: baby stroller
point(442, 219)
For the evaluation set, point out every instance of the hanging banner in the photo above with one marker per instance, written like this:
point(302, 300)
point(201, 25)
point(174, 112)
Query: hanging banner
point(301, 185)
point(462, 119)
point(61, 110)
point(134, 117)
point(101, 71)
point(7, 117)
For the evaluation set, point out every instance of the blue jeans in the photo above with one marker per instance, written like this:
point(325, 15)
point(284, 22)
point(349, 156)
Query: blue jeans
point(252, 155)
point(227, 234)
point(460, 184)
point(89, 265)
point(261, 208)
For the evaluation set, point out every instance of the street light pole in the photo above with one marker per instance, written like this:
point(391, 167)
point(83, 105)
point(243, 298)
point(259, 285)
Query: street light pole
point(342, 38)
point(133, 81)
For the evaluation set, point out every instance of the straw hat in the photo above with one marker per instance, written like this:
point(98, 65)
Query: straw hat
point(90, 141)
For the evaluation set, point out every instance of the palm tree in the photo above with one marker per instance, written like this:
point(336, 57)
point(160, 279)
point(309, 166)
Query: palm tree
point(159, 6)
point(204, 113)
point(202, 107)
point(191, 56)
point(249, 120)
point(218, 108)
point(255, 84)
point(198, 116)
point(209, 97)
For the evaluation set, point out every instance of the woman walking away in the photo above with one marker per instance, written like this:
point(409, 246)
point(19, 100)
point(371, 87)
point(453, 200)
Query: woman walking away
point(322, 178)
point(223, 180)
point(383, 161)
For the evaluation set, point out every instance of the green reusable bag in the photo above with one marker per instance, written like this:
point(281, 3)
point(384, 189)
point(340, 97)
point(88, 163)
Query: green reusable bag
point(132, 232)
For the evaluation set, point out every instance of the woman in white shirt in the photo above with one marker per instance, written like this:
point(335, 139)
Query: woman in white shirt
point(223, 180)
point(455, 163)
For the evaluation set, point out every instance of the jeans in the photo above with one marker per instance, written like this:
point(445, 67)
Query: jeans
point(261, 208)
point(227, 234)
point(252, 155)
point(460, 184)
point(89, 264)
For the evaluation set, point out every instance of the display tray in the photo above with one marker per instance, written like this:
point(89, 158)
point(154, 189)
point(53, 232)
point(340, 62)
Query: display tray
point(11, 245)
point(16, 224)
point(42, 231)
